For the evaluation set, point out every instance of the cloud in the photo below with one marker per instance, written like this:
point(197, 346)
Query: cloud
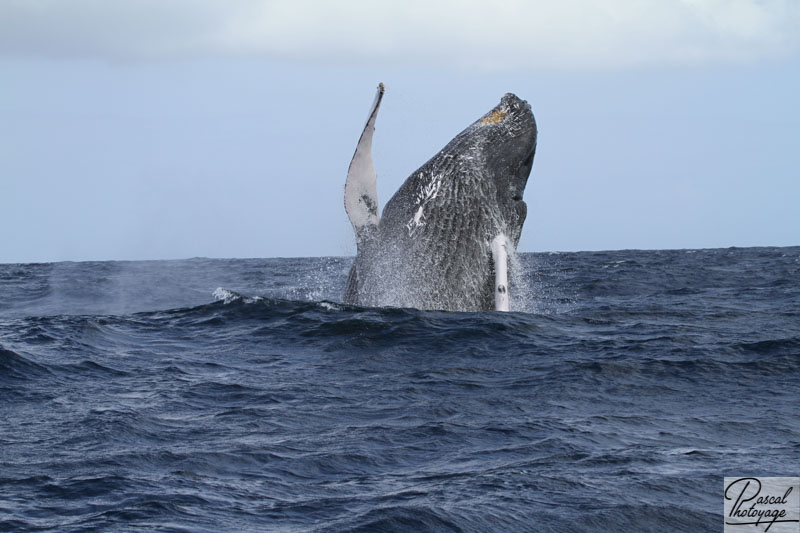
point(502, 34)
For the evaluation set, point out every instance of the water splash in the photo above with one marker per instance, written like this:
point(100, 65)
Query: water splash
point(228, 296)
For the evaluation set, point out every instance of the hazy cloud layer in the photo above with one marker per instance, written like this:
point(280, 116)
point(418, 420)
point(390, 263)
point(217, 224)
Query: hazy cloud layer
point(465, 33)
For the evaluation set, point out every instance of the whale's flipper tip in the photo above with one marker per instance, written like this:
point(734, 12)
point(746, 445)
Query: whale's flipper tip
point(360, 192)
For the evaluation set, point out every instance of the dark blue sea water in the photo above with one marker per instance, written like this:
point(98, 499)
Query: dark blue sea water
point(630, 383)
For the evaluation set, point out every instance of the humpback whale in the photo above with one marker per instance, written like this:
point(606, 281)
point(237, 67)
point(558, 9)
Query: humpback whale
point(443, 239)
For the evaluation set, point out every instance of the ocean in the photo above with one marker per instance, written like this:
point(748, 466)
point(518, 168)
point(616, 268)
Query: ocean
point(239, 395)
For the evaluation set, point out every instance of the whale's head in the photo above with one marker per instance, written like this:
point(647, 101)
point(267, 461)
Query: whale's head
point(503, 145)
point(476, 182)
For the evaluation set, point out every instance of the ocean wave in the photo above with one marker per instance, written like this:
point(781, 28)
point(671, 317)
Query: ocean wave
point(135, 399)
point(787, 346)
point(15, 366)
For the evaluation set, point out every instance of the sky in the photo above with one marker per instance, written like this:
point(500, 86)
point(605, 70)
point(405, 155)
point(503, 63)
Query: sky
point(157, 129)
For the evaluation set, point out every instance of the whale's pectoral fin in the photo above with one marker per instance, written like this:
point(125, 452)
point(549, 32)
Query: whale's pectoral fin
point(500, 258)
point(360, 193)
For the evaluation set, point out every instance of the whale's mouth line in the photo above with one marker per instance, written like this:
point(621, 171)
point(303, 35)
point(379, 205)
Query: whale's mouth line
point(528, 161)
point(524, 169)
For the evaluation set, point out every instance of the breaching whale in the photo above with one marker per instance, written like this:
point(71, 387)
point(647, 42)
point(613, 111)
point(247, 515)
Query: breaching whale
point(443, 239)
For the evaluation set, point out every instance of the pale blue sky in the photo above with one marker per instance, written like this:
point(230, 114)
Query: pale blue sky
point(201, 130)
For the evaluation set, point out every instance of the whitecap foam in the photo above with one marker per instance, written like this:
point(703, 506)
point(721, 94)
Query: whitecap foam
point(227, 296)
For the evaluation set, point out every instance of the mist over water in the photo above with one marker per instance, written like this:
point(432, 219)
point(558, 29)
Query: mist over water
point(241, 395)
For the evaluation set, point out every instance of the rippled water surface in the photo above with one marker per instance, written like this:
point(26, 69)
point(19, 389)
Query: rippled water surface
point(135, 395)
